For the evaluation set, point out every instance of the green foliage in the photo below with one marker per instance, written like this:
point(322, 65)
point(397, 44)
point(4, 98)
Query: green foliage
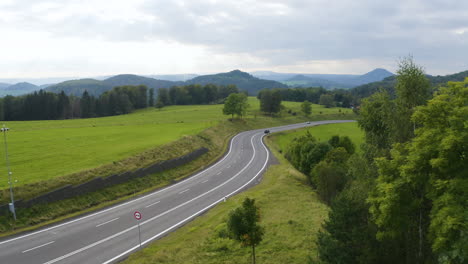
point(421, 195)
point(330, 176)
point(236, 104)
point(306, 108)
point(270, 101)
point(344, 142)
point(159, 104)
point(327, 100)
point(348, 236)
point(412, 89)
point(376, 119)
point(305, 152)
point(151, 97)
point(243, 225)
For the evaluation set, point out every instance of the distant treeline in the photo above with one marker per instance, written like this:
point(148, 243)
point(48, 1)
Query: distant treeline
point(194, 94)
point(120, 100)
point(49, 106)
point(317, 95)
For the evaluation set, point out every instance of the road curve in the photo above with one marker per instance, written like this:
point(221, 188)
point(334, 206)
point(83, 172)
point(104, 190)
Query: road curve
point(109, 235)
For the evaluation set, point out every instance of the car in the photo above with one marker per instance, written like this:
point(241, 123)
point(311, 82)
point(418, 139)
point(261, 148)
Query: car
point(308, 122)
point(267, 131)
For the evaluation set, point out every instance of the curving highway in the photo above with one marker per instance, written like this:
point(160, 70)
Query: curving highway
point(109, 235)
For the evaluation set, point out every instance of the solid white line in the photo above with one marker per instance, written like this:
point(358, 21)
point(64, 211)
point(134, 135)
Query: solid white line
point(129, 202)
point(184, 191)
point(108, 222)
point(218, 173)
point(27, 250)
point(204, 181)
point(192, 216)
point(149, 205)
point(155, 217)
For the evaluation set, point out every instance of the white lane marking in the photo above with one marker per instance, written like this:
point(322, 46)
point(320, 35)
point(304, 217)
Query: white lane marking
point(149, 205)
point(184, 191)
point(204, 181)
point(218, 173)
point(157, 216)
point(229, 166)
point(27, 250)
point(192, 216)
point(129, 202)
point(108, 222)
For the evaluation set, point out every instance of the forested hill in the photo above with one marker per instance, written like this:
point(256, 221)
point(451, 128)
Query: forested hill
point(131, 79)
point(388, 84)
point(243, 81)
point(17, 89)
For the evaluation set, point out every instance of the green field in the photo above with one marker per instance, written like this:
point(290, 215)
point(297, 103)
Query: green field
point(322, 133)
point(42, 150)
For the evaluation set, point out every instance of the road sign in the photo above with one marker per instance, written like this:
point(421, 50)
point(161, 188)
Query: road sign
point(137, 215)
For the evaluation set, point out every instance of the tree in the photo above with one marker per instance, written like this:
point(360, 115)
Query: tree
point(163, 96)
point(412, 89)
point(159, 104)
point(270, 101)
point(151, 97)
point(376, 119)
point(306, 108)
point(86, 105)
point(327, 100)
point(243, 225)
point(235, 104)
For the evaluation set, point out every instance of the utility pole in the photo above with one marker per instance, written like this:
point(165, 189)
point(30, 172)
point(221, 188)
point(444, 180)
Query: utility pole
point(12, 204)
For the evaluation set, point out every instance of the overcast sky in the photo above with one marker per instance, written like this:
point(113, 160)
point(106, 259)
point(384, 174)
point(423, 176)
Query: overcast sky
point(53, 38)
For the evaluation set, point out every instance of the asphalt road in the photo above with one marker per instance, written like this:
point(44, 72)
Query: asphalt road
point(111, 234)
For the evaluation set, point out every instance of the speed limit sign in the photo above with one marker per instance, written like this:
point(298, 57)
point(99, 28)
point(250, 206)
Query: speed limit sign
point(137, 215)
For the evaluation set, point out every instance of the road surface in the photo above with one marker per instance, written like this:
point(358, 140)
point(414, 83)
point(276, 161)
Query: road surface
point(111, 234)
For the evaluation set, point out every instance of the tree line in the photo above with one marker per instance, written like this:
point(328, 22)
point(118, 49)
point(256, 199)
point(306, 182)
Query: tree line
point(44, 105)
point(194, 94)
point(404, 198)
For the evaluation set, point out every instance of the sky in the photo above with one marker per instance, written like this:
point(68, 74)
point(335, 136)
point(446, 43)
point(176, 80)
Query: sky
point(82, 38)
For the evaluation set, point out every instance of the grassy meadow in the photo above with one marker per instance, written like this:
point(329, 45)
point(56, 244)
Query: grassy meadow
point(321, 133)
point(43, 150)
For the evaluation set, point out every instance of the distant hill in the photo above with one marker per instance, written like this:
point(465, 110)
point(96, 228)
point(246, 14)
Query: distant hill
point(372, 76)
point(389, 83)
point(19, 89)
point(328, 81)
point(4, 85)
point(131, 79)
point(77, 87)
point(243, 81)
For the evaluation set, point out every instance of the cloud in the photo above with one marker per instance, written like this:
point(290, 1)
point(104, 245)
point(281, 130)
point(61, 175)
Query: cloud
point(254, 34)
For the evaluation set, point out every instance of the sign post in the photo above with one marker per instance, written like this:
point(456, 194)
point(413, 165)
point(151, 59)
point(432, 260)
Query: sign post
point(137, 216)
